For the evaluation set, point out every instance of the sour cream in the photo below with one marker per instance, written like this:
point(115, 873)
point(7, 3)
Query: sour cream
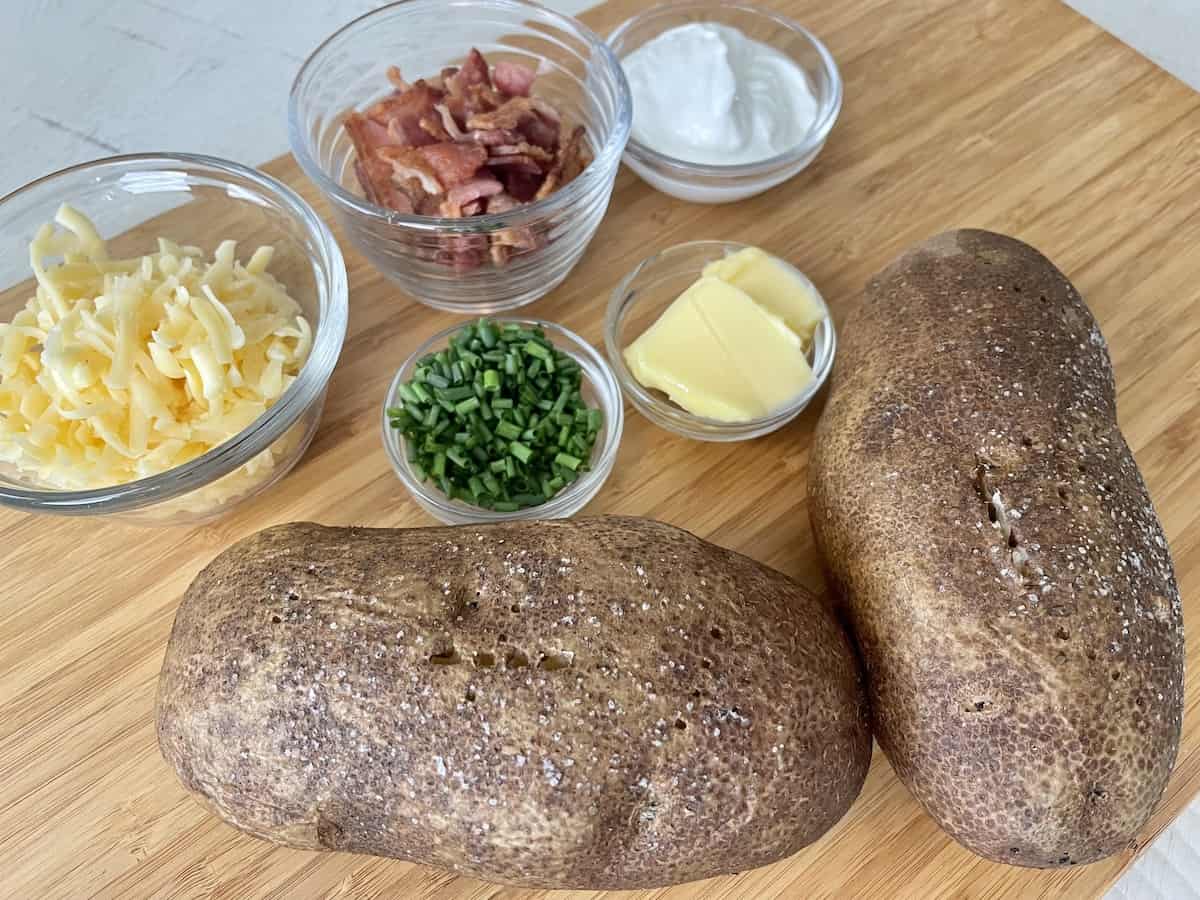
point(706, 93)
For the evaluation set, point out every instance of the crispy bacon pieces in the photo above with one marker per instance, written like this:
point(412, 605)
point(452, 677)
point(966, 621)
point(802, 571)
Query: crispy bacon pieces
point(471, 141)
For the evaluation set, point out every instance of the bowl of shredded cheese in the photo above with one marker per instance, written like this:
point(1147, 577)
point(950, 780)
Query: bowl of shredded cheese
point(168, 326)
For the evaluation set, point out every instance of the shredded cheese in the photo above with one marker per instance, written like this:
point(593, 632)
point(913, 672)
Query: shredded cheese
point(116, 370)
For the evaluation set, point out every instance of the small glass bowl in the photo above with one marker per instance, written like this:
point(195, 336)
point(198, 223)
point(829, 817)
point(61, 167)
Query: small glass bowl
point(700, 183)
point(644, 294)
point(197, 200)
point(599, 388)
point(578, 74)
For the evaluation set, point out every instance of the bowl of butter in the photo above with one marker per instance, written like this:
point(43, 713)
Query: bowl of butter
point(719, 341)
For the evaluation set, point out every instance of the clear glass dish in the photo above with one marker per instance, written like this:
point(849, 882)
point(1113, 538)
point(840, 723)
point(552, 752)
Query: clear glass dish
point(192, 200)
point(699, 183)
point(599, 389)
point(645, 294)
point(579, 75)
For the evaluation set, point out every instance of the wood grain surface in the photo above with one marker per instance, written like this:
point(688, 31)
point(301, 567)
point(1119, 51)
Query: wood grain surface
point(1022, 118)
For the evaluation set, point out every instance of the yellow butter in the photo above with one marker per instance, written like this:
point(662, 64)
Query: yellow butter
point(774, 285)
point(718, 354)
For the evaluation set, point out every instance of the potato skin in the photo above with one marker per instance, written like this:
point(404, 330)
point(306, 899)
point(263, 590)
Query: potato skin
point(600, 703)
point(1005, 575)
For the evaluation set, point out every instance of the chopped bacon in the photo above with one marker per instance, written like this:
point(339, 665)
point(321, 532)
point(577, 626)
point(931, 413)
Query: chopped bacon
point(472, 141)
point(397, 80)
point(407, 162)
point(522, 184)
point(500, 254)
point(473, 71)
point(512, 113)
point(435, 129)
point(567, 157)
point(449, 124)
point(366, 134)
point(494, 138)
point(516, 161)
point(502, 202)
point(401, 114)
point(462, 194)
point(453, 163)
point(482, 98)
point(430, 205)
point(541, 132)
point(513, 78)
point(540, 154)
point(462, 252)
point(375, 176)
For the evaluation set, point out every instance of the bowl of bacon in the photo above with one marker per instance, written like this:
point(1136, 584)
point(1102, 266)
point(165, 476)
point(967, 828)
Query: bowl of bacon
point(468, 149)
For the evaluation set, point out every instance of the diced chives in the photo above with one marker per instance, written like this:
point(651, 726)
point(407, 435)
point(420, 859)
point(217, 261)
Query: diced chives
point(567, 461)
point(455, 394)
point(503, 405)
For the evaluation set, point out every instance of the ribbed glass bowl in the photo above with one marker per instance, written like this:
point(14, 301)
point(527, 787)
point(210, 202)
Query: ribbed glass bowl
point(578, 74)
point(644, 295)
point(599, 389)
point(201, 201)
point(699, 183)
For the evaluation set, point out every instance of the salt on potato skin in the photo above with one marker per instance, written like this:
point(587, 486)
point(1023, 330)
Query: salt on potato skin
point(997, 554)
point(594, 703)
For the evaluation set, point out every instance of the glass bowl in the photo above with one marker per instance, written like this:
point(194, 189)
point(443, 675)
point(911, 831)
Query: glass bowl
point(578, 74)
point(192, 200)
point(599, 388)
point(645, 294)
point(699, 183)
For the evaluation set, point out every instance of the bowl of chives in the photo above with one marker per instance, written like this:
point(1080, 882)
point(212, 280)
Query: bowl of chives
point(502, 420)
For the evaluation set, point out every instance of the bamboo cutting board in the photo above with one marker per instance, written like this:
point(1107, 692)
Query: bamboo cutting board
point(1022, 118)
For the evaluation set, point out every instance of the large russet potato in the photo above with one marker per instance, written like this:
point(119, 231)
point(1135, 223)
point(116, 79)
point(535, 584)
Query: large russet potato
point(600, 703)
point(1003, 570)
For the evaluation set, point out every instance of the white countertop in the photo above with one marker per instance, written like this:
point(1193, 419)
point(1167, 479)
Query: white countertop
point(90, 78)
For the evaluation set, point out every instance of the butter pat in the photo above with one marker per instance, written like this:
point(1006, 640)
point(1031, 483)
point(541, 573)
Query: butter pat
point(719, 354)
point(774, 285)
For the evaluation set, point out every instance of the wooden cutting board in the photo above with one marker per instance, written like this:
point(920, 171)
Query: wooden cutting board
point(1023, 118)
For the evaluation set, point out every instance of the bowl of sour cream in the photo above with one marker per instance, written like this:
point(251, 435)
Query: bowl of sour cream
point(729, 100)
